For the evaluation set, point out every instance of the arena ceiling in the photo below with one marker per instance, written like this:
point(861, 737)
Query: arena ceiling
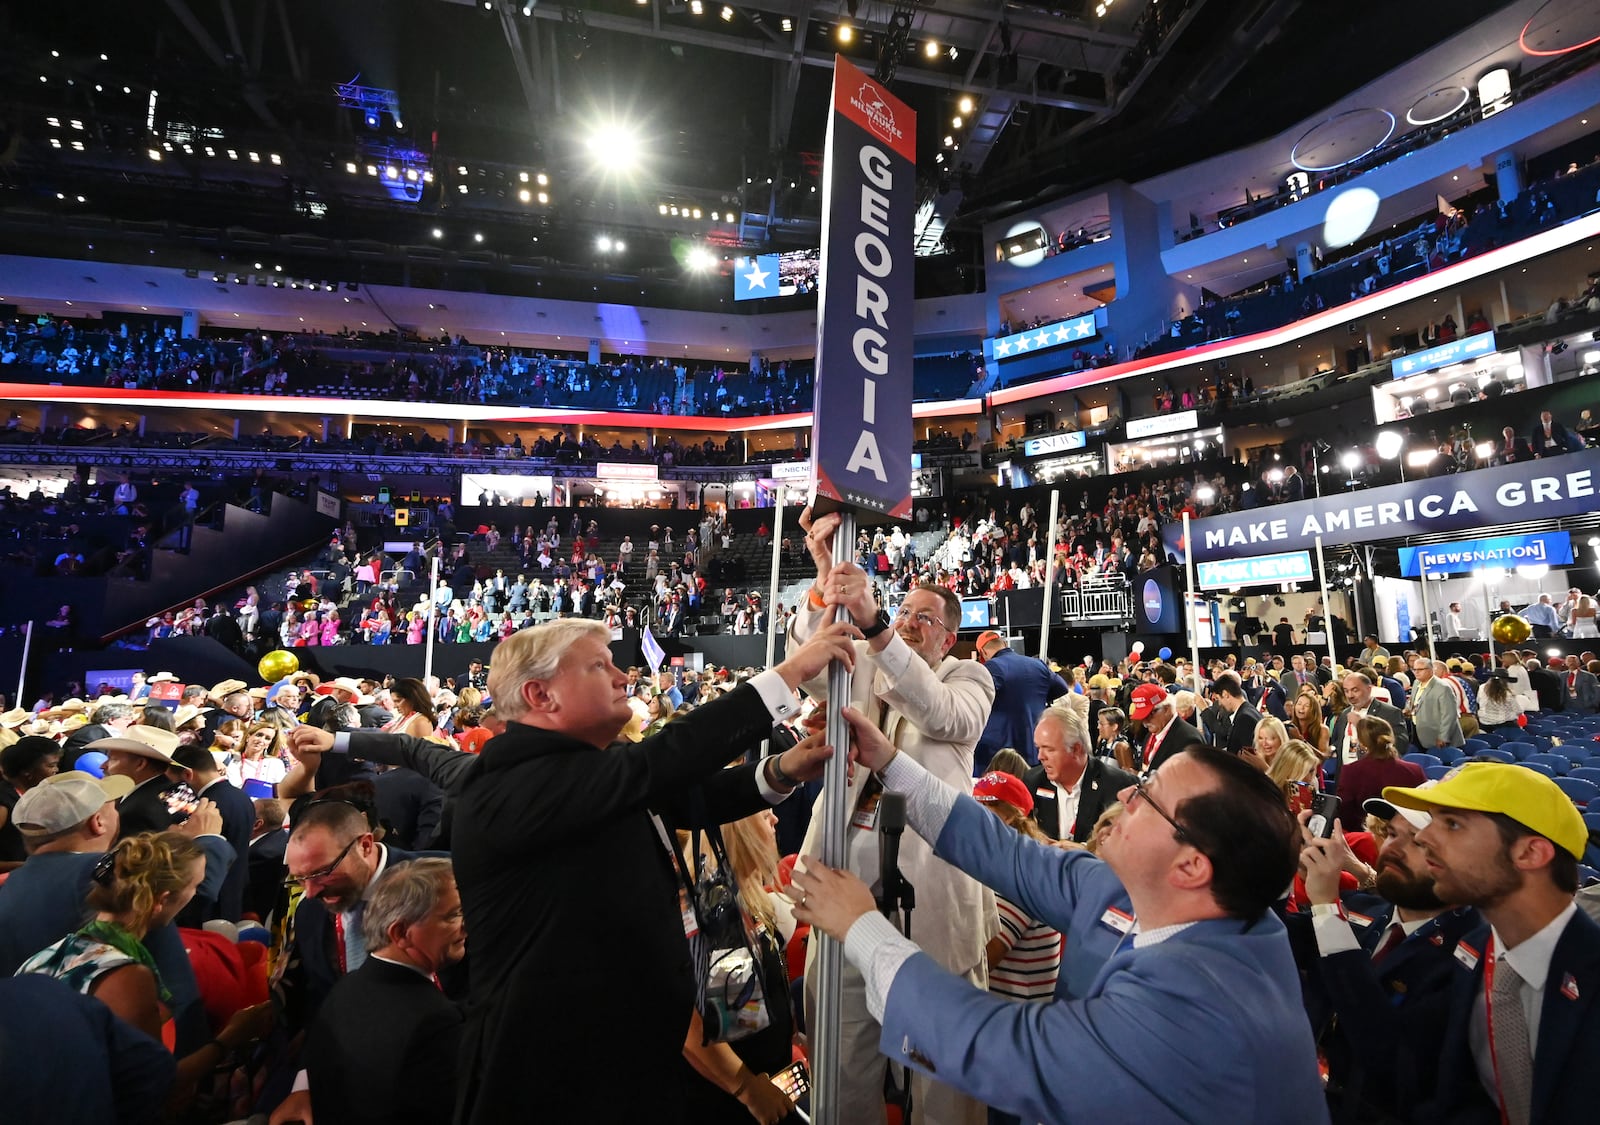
point(511, 114)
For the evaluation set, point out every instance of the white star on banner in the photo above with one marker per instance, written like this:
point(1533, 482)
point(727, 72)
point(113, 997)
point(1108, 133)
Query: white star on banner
point(1084, 328)
point(1002, 348)
point(1041, 340)
point(757, 277)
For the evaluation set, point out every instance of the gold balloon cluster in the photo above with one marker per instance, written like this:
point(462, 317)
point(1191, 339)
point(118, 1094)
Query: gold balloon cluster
point(277, 664)
point(1510, 629)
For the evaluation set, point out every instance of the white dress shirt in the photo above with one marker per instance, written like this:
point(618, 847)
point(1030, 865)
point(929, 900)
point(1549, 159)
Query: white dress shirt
point(1531, 960)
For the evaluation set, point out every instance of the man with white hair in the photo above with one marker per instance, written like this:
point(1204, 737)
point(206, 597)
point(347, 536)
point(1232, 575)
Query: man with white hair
point(555, 834)
point(1071, 786)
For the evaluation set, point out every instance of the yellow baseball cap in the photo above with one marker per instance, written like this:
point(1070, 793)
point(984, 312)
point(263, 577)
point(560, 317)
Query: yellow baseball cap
point(1526, 796)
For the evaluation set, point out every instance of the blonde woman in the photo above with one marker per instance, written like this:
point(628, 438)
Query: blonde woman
point(261, 756)
point(1582, 618)
point(1270, 736)
point(1293, 770)
point(734, 1079)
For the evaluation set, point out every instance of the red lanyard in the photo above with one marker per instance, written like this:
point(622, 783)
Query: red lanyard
point(1488, 1019)
point(338, 935)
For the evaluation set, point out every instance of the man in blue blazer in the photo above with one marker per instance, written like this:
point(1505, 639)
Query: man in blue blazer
point(1197, 1014)
point(1524, 1031)
point(1023, 687)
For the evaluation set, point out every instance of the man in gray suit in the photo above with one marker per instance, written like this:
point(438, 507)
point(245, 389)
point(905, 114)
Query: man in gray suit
point(1435, 711)
point(1581, 687)
point(1342, 744)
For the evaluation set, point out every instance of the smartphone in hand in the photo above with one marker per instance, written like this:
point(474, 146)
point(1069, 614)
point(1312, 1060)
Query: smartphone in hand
point(1324, 815)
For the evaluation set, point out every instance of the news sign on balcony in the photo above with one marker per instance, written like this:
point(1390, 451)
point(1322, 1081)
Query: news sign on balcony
point(1468, 347)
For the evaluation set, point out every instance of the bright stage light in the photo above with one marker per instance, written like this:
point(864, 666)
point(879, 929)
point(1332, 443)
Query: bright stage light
point(1349, 215)
point(1389, 444)
point(614, 146)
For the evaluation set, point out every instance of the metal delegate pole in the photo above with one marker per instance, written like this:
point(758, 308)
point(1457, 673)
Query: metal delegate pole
point(22, 670)
point(861, 460)
point(1488, 621)
point(772, 586)
point(1427, 613)
point(1327, 609)
point(433, 593)
point(1189, 599)
point(1049, 575)
point(825, 1057)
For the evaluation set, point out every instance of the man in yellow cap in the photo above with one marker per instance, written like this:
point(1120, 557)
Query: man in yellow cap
point(1524, 1022)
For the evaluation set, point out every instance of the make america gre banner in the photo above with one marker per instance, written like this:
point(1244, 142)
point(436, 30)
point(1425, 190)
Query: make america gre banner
point(1481, 500)
point(861, 436)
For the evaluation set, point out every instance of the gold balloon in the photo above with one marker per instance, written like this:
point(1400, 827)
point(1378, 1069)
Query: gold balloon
point(1511, 629)
point(276, 665)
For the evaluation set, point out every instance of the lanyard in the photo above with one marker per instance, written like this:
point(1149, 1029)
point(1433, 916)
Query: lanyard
point(1488, 1018)
point(338, 935)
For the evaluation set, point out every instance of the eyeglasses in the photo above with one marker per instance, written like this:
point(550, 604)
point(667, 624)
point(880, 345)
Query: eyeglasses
point(326, 872)
point(1143, 794)
point(924, 620)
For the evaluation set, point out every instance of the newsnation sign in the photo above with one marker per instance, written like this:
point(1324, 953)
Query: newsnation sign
point(1549, 488)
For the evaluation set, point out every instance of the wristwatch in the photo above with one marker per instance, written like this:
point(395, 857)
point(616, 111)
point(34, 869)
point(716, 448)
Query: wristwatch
point(878, 626)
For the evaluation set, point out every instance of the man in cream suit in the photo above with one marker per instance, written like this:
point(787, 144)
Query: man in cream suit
point(933, 708)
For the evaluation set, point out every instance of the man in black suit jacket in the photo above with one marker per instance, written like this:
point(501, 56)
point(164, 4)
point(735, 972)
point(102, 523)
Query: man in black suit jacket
point(143, 755)
point(1342, 744)
point(553, 830)
point(1547, 686)
point(198, 768)
point(1165, 733)
point(410, 806)
point(1071, 786)
point(1548, 437)
point(1229, 694)
point(1378, 969)
point(383, 1048)
point(1511, 847)
point(264, 882)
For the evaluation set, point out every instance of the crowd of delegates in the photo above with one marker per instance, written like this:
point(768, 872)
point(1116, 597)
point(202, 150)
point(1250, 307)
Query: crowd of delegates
point(364, 901)
point(146, 358)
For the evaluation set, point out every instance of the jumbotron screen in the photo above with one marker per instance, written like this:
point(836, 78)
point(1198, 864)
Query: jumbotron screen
point(776, 275)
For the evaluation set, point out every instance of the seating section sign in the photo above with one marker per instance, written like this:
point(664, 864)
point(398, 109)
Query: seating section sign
point(864, 330)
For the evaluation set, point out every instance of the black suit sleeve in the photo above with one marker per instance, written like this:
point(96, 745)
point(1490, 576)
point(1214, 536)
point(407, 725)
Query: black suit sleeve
point(445, 767)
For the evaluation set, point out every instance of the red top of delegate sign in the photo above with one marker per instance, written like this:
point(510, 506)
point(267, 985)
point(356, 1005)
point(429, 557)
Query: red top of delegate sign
point(869, 105)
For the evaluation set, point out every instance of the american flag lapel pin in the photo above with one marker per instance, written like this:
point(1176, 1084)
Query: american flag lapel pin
point(1569, 987)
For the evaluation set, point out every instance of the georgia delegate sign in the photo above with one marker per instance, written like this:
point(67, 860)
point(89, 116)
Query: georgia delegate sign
point(1565, 485)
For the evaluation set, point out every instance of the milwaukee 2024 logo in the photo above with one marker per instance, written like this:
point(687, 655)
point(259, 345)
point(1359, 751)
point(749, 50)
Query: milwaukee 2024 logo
point(878, 114)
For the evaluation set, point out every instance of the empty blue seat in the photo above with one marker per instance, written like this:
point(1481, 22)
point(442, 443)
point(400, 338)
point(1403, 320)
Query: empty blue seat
point(1591, 821)
point(1555, 761)
point(1540, 767)
point(1450, 755)
point(1423, 760)
point(1434, 773)
point(1581, 791)
point(1495, 755)
point(1585, 773)
point(1587, 874)
point(1473, 745)
point(1519, 750)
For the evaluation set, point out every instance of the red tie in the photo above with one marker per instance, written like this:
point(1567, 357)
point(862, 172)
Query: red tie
point(1391, 941)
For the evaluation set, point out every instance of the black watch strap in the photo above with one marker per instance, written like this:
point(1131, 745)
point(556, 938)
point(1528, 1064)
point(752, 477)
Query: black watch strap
point(878, 625)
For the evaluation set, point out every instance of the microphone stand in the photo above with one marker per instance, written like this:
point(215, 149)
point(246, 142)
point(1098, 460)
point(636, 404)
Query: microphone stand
point(896, 896)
